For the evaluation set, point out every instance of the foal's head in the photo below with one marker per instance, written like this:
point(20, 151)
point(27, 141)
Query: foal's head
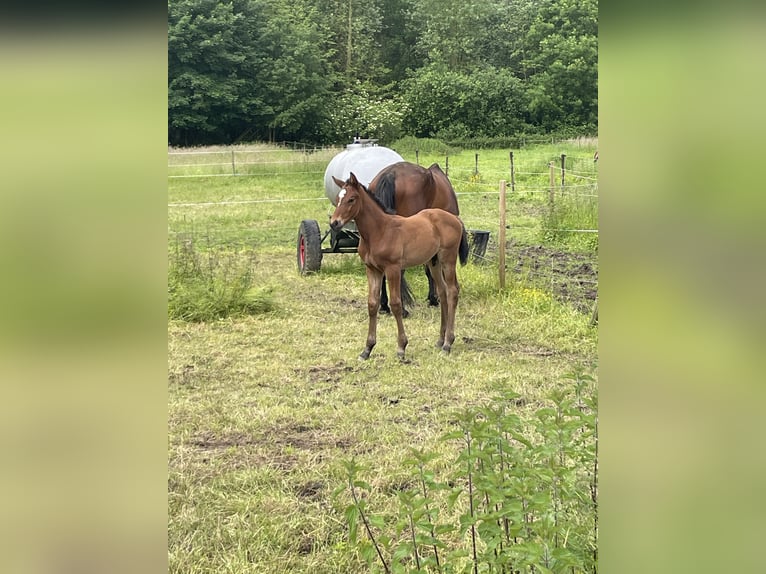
point(349, 201)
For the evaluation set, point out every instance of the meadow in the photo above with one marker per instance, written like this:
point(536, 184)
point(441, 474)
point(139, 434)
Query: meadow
point(288, 454)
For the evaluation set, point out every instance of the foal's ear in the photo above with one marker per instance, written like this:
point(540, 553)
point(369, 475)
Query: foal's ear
point(338, 182)
point(352, 179)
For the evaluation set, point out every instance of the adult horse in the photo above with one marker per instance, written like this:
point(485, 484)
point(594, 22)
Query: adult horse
point(391, 243)
point(407, 188)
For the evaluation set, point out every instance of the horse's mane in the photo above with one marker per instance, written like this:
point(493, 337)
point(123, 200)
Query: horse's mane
point(385, 191)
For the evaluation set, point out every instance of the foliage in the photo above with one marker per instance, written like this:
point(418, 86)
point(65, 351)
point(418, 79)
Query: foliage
point(212, 285)
point(274, 70)
point(457, 34)
point(449, 105)
point(411, 144)
point(357, 112)
point(526, 491)
point(246, 67)
point(563, 59)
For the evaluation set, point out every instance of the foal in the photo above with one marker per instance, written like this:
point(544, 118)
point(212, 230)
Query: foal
point(390, 243)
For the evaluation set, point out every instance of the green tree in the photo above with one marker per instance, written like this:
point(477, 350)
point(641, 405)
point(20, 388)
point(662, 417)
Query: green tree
point(399, 34)
point(251, 69)
point(294, 79)
point(321, 70)
point(209, 66)
point(562, 61)
point(451, 104)
point(459, 34)
point(352, 31)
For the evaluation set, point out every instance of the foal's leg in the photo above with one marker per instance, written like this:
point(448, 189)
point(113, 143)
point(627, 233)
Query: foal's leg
point(436, 273)
point(374, 280)
point(452, 293)
point(395, 287)
point(384, 308)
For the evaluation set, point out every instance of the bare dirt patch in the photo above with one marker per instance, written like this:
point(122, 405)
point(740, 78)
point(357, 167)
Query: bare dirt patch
point(325, 373)
point(571, 277)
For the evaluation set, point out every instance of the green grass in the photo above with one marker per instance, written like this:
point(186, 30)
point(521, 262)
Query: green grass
point(264, 408)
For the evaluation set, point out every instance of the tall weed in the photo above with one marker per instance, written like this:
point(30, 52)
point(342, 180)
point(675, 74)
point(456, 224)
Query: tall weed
point(204, 285)
point(526, 490)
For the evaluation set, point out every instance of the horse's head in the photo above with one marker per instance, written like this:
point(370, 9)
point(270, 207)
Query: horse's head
point(349, 201)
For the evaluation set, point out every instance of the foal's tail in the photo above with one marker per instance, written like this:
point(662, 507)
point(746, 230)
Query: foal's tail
point(463, 251)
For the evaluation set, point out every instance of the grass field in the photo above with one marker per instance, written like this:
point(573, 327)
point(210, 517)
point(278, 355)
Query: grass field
point(264, 409)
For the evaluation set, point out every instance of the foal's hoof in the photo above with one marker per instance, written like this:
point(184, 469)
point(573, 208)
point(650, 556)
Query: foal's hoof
point(385, 311)
point(446, 350)
point(364, 355)
point(433, 302)
point(405, 313)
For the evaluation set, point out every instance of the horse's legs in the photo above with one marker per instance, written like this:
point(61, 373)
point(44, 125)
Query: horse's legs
point(433, 300)
point(384, 308)
point(452, 293)
point(394, 285)
point(436, 272)
point(374, 280)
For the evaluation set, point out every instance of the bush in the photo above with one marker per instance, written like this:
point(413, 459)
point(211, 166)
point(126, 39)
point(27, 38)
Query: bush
point(212, 285)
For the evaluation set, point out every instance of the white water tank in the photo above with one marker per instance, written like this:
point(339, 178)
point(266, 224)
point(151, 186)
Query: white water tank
point(364, 158)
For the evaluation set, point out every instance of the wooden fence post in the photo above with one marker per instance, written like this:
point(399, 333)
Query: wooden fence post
point(563, 170)
point(417, 156)
point(552, 185)
point(446, 165)
point(476, 165)
point(501, 236)
point(233, 167)
point(513, 177)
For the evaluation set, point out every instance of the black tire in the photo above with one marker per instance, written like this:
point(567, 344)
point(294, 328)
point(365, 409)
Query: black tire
point(309, 247)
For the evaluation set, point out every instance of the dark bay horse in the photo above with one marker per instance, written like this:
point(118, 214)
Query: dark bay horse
point(391, 243)
point(407, 188)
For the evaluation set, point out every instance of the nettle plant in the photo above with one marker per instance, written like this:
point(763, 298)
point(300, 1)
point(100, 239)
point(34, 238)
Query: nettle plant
point(522, 495)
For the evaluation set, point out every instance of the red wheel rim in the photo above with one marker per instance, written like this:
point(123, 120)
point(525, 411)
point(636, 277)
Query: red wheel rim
point(302, 252)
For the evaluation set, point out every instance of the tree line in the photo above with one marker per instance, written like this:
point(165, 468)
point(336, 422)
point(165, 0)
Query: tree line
point(322, 71)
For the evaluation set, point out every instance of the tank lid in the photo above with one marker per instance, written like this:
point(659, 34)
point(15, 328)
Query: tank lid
point(362, 142)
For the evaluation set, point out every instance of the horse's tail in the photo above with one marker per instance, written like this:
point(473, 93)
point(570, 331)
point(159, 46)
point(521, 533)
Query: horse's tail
point(408, 299)
point(463, 251)
point(385, 191)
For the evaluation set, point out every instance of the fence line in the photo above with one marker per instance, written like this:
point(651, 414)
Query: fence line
point(228, 164)
point(242, 202)
point(293, 200)
point(308, 149)
point(246, 174)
